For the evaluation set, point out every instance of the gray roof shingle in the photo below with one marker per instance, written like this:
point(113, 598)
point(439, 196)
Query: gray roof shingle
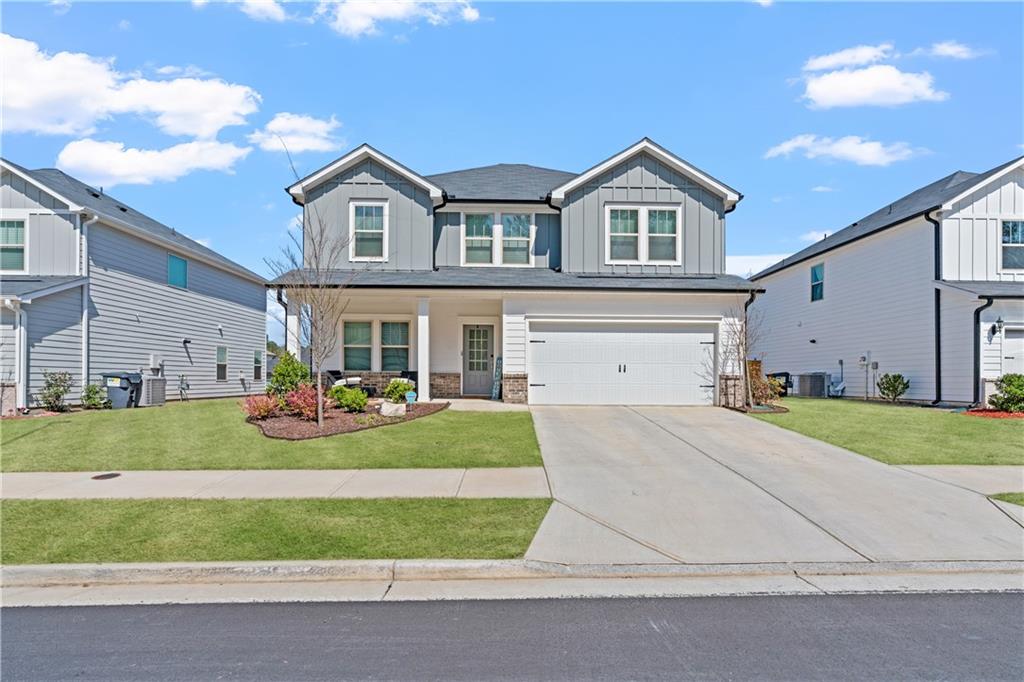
point(988, 289)
point(23, 286)
point(500, 182)
point(916, 203)
point(523, 278)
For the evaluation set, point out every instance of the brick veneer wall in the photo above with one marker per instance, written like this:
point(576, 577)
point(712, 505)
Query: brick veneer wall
point(513, 388)
point(445, 385)
point(378, 380)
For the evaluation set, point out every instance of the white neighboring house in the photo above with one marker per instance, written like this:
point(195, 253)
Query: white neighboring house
point(930, 286)
point(90, 285)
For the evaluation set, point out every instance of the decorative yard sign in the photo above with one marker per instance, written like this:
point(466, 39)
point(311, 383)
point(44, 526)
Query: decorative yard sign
point(496, 384)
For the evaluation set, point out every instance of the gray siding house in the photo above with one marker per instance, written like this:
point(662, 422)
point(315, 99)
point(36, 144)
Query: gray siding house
point(90, 285)
point(538, 285)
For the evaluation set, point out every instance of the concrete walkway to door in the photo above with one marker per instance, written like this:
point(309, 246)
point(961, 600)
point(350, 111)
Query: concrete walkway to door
point(706, 485)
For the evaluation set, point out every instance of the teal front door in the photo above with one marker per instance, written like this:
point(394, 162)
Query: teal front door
point(477, 359)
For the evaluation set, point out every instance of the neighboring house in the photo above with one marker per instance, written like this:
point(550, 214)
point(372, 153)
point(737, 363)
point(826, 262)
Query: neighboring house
point(90, 285)
point(930, 286)
point(601, 287)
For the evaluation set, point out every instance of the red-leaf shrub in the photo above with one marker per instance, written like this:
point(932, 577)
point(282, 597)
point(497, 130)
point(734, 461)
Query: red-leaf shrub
point(302, 402)
point(260, 406)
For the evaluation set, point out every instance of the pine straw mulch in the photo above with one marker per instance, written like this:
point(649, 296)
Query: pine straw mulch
point(288, 427)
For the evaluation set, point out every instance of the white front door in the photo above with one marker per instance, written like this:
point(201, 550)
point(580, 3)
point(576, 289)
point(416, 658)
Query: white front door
point(627, 363)
point(1013, 351)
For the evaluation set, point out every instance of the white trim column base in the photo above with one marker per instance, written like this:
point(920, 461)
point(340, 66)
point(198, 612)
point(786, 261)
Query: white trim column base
point(423, 348)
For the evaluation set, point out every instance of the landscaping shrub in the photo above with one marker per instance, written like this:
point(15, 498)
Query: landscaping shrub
point(94, 397)
point(287, 376)
point(396, 390)
point(765, 390)
point(1010, 397)
point(348, 399)
point(56, 386)
point(260, 406)
point(302, 402)
point(892, 386)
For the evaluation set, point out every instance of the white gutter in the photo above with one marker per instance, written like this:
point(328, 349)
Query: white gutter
point(85, 300)
point(21, 357)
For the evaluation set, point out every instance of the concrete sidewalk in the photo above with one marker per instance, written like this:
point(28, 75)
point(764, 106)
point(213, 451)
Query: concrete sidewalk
point(987, 479)
point(279, 483)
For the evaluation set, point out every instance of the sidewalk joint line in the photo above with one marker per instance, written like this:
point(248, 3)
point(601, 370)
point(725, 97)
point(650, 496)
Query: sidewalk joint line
point(230, 474)
point(621, 532)
point(462, 478)
point(342, 484)
point(817, 587)
point(903, 467)
point(756, 485)
point(1006, 513)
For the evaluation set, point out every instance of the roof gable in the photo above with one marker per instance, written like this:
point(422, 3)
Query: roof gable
point(501, 182)
point(358, 155)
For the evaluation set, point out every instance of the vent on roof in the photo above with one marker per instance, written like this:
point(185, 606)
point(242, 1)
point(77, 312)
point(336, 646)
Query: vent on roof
point(122, 209)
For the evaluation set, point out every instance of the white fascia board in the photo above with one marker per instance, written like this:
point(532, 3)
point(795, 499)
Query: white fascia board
point(647, 146)
point(361, 153)
point(56, 288)
point(72, 206)
point(948, 206)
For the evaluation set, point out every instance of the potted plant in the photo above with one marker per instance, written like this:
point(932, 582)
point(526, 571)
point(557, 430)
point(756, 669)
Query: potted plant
point(395, 400)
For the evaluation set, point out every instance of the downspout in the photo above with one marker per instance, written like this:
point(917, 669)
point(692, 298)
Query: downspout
point(561, 234)
point(746, 351)
point(85, 300)
point(937, 251)
point(433, 251)
point(977, 348)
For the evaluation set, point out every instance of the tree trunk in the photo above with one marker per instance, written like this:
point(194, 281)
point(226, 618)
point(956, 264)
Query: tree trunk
point(319, 399)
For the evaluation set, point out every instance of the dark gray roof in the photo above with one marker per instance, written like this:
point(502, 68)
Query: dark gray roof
point(915, 204)
point(524, 278)
point(983, 289)
point(92, 199)
point(23, 286)
point(502, 182)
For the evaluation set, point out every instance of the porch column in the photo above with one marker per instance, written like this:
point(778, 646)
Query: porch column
point(423, 348)
point(291, 330)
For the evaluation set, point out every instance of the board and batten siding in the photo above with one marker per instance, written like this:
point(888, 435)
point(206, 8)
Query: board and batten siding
point(133, 313)
point(643, 180)
point(546, 245)
point(51, 233)
point(410, 214)
point(17, 193)
point(54, 334)
point(878, 301)
point(972, 232)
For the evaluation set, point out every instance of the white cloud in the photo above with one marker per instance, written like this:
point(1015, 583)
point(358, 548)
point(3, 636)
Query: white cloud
point(190, 71)
point(813, 236)
point(60, 7)
point(853, 148)
point(111, 163)
point(851, 56)
point(205, 241)
point(199, 4)
point(82, 90)
point(765, 3)
point(355, 18)
point(124, 25)
point(299, 133)
point(822, 188)
point(263, 10)
point(778, 200)
point(949, 49)
point(745, 266)
point(880, 85)
point(294, 223)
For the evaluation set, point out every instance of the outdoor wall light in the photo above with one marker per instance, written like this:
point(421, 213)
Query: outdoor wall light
point(185, 342)
point(997, 328)
point(814, 340)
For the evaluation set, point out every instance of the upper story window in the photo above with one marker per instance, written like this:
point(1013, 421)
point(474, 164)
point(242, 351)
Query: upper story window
point(177, 271)
point(1013, 244)
point(12, 245)
point(643, 234)
point(818, 282)
point(368, 240)
point(497, 238)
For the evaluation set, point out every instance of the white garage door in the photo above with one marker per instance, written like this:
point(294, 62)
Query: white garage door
point(572, 363)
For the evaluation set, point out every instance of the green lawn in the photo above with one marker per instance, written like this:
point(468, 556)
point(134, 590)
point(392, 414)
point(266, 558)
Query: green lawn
point(1013, 498)
point(905, 435)
point(213, 434)
point(88, 531)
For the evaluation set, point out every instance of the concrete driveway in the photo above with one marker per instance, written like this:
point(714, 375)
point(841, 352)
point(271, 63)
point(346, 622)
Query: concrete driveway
point(706, 485)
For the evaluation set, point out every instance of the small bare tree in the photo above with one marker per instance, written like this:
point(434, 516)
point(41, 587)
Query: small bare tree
point(740, 333)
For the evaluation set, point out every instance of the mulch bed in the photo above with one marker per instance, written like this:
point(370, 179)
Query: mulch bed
point(761, 409)
point(995, 414)
point(288, 427)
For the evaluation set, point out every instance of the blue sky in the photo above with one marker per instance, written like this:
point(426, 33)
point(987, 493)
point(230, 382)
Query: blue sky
point(818, 113)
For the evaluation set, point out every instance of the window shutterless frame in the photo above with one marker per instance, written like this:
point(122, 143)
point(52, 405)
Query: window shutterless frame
point(394, 346)
point(357, 345)
point(1011, 247)
point(222, 363)
point(13, 247)
point(368, 228)
point(257, 365)
point(817, 282)
point(177, 271)
point(507, 236)
point(652, 225)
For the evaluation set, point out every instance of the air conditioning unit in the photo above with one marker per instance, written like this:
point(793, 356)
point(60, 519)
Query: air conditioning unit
point(154, 390)
point(811, 385)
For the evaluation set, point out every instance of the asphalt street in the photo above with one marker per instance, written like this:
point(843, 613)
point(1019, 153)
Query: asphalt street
point(950, 636)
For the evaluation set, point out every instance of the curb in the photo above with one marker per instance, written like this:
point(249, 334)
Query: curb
point(454, 570)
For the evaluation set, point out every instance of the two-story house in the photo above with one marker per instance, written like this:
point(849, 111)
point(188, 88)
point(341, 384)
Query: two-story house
point(89, 285)
point(548, 287)
point(930, 286)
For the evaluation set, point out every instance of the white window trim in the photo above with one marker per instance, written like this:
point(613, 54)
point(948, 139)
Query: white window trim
point(407, 346)
point(24, 244)
point(642, 234)
point(375, 339)
point(226, 363)
point(352, 231)
point(999, 223)
point(497, 238)
point(810, 293)
point(262, 365)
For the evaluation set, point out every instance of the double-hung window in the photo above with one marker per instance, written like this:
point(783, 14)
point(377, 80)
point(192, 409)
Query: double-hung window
point(12, 245)
point(356, 346)
point(643, 234)
point(515, 238)
point(479, 243)
point(818, 282)
point(177, 271)
point(1013, 244)
point(222, 363)
point(394, 346)
point(257, 365)
point(369, 237)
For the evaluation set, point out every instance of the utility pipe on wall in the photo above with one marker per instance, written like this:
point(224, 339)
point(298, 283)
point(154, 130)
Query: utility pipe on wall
point(84, 265)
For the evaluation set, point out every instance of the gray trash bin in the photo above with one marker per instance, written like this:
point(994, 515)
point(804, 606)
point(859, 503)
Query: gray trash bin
point(124, 389)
